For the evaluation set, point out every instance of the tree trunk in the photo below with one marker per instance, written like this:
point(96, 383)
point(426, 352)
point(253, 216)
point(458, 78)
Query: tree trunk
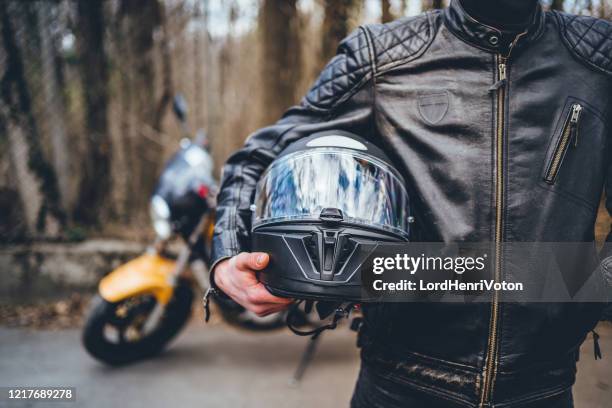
point(138, 21)
point(124, 161)
point(198, 109)
point(53, 106)
point(386, 11)
point(279, 30)
point(96, 181)
point(602, 12)
point(404, 7)
point(336, 26)
point(557, 5)
point(42, 198)
point(432, 4)
point(211, 89)
point(166, 66)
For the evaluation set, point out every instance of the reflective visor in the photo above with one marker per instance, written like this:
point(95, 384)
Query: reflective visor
point(298, 186)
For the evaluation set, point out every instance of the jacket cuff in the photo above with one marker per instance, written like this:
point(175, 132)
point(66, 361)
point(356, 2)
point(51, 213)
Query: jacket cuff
point(211, 277)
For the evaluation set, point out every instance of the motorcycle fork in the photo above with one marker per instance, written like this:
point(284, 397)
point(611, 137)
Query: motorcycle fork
point(181, 266)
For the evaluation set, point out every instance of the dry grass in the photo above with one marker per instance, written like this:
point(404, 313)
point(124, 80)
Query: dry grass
point(56, 315)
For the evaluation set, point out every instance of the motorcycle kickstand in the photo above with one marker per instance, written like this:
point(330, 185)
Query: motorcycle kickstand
point(305, 360)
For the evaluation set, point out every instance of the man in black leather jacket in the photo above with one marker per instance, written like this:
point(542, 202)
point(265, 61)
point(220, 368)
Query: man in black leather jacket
point(475, 118)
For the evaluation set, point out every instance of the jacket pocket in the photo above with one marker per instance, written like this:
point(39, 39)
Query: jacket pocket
point(576, 157)
point(568, 138)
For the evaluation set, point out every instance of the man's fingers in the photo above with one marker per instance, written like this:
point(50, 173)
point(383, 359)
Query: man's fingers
point(259, 295)
point(240, 282)
point(265, 310)
point(253, 260)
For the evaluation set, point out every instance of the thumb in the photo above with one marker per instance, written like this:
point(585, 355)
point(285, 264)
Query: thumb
point(259, 260)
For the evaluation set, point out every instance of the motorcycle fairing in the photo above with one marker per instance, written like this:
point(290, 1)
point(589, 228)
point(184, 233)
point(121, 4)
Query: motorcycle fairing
point(149, 273)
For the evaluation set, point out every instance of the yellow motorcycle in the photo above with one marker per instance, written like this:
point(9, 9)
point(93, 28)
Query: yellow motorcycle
point(143, 304)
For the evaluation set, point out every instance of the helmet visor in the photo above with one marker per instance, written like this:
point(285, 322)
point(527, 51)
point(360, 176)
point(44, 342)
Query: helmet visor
point(299, 185)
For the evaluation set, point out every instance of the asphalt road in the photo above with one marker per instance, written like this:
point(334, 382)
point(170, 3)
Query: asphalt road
point(218, 366)
point(207, 366)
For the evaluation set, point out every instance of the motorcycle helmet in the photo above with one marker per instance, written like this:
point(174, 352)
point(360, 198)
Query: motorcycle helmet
point(320, 210)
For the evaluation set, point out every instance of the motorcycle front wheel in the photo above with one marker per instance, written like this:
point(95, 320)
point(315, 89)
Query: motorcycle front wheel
point(113, 331)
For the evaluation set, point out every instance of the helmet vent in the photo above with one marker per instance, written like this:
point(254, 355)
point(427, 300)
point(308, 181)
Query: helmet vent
point(348, 245)
point(328, 251)
point(312, 248)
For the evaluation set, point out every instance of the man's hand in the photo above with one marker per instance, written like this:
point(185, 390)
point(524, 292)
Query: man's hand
point(236, 277)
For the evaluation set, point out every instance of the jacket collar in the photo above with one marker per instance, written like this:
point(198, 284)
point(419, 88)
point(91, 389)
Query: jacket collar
point(483, 36)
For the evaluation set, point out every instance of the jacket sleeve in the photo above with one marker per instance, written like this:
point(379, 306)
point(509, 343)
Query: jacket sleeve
point(606, 252)
point(340, 99)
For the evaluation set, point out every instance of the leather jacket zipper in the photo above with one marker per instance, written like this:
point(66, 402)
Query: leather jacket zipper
point(569, 134)
point(491, 356)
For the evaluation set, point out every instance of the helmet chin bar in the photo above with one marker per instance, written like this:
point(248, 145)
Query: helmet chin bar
point(322, 250)
point(317, 259)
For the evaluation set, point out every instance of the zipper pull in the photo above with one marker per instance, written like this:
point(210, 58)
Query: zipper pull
point(502, 71)
point(209, 292)
point(501, 68)
point(576, 111)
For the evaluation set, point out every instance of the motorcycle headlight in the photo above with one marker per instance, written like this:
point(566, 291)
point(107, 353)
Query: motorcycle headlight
point(160, 215)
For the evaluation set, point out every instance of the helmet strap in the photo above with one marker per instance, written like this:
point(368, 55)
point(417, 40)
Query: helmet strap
point(341, 312)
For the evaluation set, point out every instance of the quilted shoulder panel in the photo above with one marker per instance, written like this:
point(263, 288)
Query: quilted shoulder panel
point(606, 264)
point(402, 40)
point(344, 74)
point(368, 51)
point(589, 38)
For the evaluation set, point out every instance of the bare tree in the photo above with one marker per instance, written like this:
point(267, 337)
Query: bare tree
point(138, 21)
point(211, 107)
point(166, 67)
point(387, 15)
point(432, 4)
point(96, 181)
point(53, 105)
point(198, 107)
point(281, 65)
point(557, 5)
point(19, 122)
point(336, 26)
point(403, 7)
point(605, 10)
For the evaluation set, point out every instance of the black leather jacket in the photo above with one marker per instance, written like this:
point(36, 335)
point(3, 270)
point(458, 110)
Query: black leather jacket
point(477, 132)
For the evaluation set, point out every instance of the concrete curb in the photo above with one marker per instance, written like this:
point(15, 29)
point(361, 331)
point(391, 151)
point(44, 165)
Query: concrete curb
point(42, 269)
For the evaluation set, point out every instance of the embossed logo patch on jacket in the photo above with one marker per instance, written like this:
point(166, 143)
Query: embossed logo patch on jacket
point(433, 107)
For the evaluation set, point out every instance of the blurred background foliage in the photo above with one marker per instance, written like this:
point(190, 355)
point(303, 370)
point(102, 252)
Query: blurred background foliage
point(86, 88)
